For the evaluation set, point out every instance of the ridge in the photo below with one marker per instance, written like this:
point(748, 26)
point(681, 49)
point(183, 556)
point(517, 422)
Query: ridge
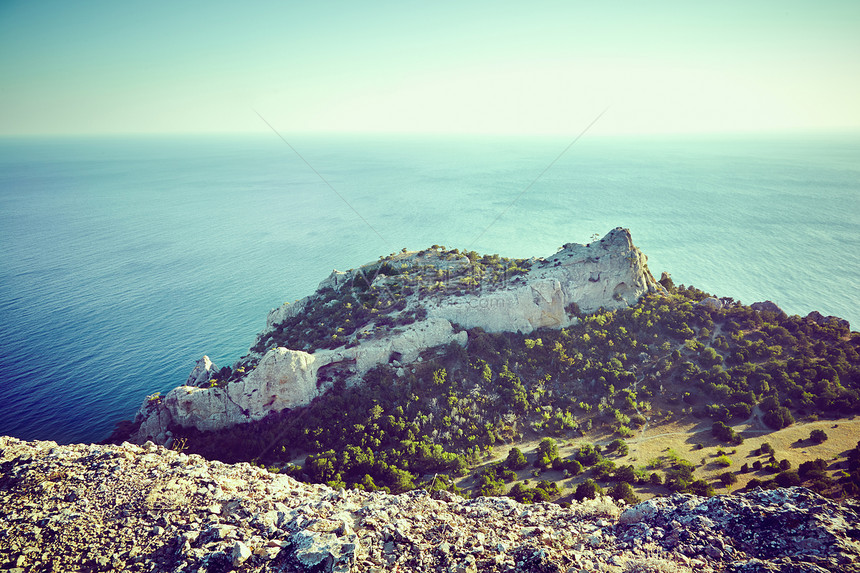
point(395, 308)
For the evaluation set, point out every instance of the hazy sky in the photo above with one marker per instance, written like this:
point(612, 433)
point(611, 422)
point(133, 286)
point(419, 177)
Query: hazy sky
point(484, 67)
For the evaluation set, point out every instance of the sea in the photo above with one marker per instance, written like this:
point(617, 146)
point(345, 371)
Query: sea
point(125, 259)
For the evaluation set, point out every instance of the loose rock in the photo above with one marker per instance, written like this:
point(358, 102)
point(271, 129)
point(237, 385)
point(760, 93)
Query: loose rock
point(148, 509)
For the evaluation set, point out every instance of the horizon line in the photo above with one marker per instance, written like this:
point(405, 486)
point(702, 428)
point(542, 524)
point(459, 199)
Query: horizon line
point(852, 130)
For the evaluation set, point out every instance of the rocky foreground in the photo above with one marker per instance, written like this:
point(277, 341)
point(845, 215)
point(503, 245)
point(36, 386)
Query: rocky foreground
point(146, 508)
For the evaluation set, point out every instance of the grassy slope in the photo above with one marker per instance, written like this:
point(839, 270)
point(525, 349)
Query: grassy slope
point(683, 437)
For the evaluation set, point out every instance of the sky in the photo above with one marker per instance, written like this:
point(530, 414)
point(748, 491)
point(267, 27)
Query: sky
point(542, 67)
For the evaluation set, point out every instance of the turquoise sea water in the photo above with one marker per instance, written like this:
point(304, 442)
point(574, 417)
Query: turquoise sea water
point(122, 261)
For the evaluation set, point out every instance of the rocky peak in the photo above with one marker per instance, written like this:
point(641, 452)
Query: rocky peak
point(147, 508)
point(399, 306)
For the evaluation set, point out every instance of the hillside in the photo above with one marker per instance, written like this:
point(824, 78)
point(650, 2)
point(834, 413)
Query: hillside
point(386, 379)
point(146, 508)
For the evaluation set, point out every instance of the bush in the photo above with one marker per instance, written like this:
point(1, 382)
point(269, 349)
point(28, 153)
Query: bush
point(728, 478)
point(778, 418)
point(587, 490)
point(701, 487)
point(625, 474)
point(546, 454)
point(624, 491)
point(516, 460)
point(603, 469)
point(723, 461)
point(572, 467)
point(818, 436)
point(787, 478)
point(725, 434)
point(588, 455)
point(813, 469)
point(618, 446)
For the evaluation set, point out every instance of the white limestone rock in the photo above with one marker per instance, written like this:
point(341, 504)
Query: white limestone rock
point(283, 379)
point(610, 273)
point(203, 371)
point(283, 312)
point(408, 343)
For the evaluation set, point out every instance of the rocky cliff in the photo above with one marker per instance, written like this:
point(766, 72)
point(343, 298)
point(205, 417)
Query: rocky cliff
point(146, 508)
point(409, 302)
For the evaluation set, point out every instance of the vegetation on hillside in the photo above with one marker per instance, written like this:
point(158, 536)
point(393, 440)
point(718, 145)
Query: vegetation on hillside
point(426, 423)
point(374, 299)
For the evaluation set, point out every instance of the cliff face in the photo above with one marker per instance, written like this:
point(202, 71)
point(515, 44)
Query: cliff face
point(133, 508)
point(609, 273)
point(282, 379)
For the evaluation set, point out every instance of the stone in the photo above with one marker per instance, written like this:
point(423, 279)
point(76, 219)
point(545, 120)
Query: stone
point(766, 306)
point(711, 303)
point(203, 371)
point(240, 553)
point(819, 318)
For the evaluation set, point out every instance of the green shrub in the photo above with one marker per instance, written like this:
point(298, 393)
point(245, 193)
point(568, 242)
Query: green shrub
point(818, 436)
point(587, 490)
point(618, 446)
point(516, 460)
point(624, 491)
point(788, 478)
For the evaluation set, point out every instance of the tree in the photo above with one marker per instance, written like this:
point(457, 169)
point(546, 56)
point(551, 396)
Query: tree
point(787, 478)
point(587, 490)
point(516, 460)
point(546, 453)
point(618, 446)
point(778, 418)
point(818, 436)
point(625, 474)
point(726, 434)
point(588, 455)
point(624, 491)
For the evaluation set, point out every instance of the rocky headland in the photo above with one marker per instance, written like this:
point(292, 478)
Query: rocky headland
point(417, 300)
point(146, 508)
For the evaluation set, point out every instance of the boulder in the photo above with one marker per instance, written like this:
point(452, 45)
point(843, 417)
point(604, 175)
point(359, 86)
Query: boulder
point(202, 372)
point(819, 318)
point(766, 306)
point(711, 303)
